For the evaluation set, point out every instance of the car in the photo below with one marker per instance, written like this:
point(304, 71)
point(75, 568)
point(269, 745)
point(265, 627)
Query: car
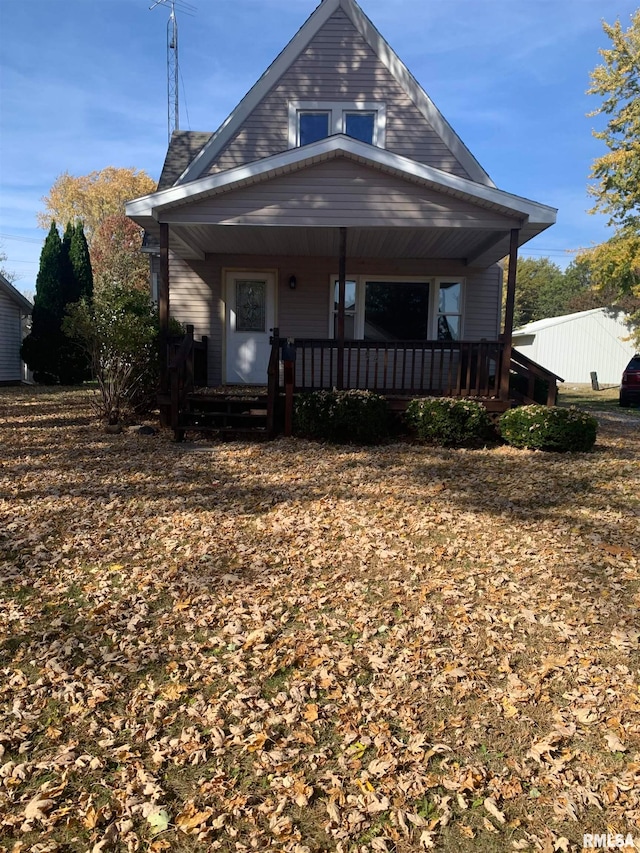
point(630, 385)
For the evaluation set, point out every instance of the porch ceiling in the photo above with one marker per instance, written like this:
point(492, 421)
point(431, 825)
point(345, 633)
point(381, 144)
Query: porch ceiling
point(479, 247)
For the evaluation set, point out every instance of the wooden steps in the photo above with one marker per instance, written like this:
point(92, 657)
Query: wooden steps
point(224, 416)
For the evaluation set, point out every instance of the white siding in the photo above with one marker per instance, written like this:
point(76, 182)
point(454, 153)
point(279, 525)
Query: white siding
point(11, 369)
point(576, 345)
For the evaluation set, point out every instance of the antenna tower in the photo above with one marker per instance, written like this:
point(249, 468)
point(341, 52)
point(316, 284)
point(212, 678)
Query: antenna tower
point(173, 109)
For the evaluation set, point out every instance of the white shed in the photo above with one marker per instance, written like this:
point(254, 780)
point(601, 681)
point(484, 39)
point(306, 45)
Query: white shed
point(14, 311)
point(575, 345)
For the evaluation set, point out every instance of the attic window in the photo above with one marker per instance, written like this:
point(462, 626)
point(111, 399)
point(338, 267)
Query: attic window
point(310, 121)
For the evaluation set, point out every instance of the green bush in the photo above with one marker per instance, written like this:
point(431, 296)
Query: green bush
point(549, 428)
point(449, 422)
point(342, 417)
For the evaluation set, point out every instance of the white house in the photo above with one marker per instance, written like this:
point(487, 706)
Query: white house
point(14, 311)
point(575, 345)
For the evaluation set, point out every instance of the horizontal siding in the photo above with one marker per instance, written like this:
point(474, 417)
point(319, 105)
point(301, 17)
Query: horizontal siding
point(196, 294)
point(194, 298)
point(10, 340)
point(482, 308)
point(339, 191)
point(338, 65)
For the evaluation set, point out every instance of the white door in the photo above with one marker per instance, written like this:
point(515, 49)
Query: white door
point(250, 300)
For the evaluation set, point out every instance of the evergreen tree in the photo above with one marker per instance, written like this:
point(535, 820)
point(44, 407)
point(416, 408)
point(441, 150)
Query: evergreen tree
point(81, 263)
point(47, 350)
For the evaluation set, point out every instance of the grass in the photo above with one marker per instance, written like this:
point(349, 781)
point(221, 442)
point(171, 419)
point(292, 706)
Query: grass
point(584, 397)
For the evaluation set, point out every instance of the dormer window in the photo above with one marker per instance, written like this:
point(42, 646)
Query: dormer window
point(310, 121)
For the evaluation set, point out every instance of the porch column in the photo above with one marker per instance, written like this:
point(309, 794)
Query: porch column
point(507, 335)
point(342, 277)
point(163, 306)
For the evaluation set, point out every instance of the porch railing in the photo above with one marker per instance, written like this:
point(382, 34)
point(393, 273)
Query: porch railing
point(187, 367)
point(439, 368)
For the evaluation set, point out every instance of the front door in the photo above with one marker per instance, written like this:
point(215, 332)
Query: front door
point(250, 301)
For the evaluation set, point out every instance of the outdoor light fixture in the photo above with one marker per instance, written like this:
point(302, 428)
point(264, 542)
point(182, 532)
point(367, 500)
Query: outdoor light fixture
point(292, 282)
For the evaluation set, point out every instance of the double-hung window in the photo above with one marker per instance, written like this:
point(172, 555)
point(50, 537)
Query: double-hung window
point(410, 308)
point(310, 121)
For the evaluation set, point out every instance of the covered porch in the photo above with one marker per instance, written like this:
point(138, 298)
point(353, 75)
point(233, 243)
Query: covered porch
point(298, 234)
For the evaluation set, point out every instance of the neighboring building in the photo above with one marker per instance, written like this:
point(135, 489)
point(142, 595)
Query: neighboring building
point(15, 309)
point(337, 205)
point(575, 345)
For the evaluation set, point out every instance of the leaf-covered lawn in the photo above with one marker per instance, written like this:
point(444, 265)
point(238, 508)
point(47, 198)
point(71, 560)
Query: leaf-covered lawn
point(306, 648)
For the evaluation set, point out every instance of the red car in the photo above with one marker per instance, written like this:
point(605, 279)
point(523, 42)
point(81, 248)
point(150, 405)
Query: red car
point(630, 385)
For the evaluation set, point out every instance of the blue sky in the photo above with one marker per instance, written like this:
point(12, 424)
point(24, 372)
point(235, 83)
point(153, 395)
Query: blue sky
point(83, 86)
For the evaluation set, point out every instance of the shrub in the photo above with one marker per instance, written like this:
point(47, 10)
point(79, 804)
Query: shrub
point(549, 428)
point(449, 422)
point(119, 331)
point(358, 417)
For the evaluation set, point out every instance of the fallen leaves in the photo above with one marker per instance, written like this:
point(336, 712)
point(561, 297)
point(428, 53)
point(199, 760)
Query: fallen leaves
point(324, 647)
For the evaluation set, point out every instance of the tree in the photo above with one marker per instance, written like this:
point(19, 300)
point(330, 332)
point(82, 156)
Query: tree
point(616, 263)
point(97, 200)
point(94, 197)
point(116, 254)
point(62, 279)
point(10, 276)
point(539, 290)
point(617, 81)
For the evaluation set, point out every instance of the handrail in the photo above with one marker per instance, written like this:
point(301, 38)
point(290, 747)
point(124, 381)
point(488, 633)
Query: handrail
point(522, 365)
point(273, 382)
point(181, 363)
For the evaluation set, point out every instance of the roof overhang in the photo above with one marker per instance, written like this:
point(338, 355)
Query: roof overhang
point(477, 244)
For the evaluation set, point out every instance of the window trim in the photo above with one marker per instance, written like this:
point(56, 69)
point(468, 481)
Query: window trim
point(337, 111)
point(434, 299)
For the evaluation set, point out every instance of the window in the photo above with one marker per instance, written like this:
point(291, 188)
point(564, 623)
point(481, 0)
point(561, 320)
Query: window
point(399, 309)
point(313, 126)
point(360, 126)
point(449, 310)
point(349, 310)
point(310, 121)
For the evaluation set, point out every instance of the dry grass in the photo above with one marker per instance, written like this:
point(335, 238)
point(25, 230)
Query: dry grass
point(306, 648)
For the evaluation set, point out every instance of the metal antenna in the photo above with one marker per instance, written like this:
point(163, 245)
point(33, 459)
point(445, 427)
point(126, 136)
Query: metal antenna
point(173, 109)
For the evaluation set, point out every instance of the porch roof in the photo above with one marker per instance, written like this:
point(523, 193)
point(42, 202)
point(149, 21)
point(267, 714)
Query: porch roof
point(472, 224)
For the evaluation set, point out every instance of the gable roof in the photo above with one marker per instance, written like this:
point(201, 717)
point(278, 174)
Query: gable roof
point(7, 288)
point(292, 51)
point(529, 216)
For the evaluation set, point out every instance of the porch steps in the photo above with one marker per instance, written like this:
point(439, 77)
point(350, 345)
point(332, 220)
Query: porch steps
point(224, 416)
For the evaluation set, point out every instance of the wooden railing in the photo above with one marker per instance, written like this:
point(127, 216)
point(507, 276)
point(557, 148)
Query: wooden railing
point(187, 365)
point(439, 368)
point(537, 382)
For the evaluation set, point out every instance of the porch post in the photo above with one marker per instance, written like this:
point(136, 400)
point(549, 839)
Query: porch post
point(163, 306)
point(342, 276)
point(507, 336)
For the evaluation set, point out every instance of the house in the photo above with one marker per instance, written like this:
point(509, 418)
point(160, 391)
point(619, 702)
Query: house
point(337, 209)
point(576, 345)
point(15, 309)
